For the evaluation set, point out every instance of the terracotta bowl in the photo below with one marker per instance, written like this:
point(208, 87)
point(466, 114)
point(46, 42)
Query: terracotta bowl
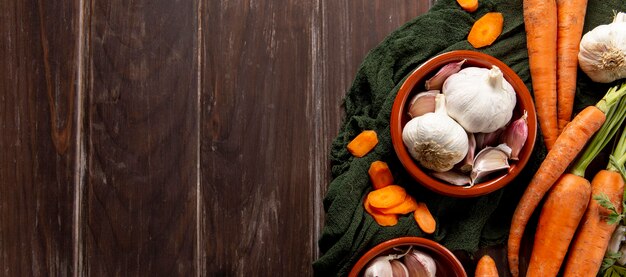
point(415, 84)
point(447, 263)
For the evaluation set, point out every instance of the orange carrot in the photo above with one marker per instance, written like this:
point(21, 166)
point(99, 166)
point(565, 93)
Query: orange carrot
point(363, 143)
point(424, 219)
point(468, 5)
point(564, 207)
point(386, 197)
point(486, 30)
point(380, 175)
point(571, 17)
point(380, 218)
point(540, 21)
point(486, 267)
point(592, 239)
point(408, 205)
point(565, 149)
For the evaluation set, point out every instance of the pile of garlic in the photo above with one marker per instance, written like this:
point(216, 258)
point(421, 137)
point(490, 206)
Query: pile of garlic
point(410, 263)
point(464, 111)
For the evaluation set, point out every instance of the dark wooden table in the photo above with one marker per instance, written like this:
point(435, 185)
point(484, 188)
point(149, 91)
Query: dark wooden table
point(174, 138)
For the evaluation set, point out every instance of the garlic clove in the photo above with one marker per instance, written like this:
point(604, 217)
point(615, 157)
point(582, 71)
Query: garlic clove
point(420, 264)
point(616, 239)
point(488, 139)
point(422, 103)
point(468, 162)
point(490, 160)
point(399, 269)
point(516, 134)
point(379, 267)
point(453, 178)
point(436, 82)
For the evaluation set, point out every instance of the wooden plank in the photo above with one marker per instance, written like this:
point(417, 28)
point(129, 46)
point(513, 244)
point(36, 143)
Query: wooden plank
point(349, 30)
point(140, 200)
point(256, 144)
point(39, 99)
point(272, 89)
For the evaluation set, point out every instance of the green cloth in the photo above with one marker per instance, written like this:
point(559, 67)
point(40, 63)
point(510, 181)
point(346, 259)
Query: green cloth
point(463, 224)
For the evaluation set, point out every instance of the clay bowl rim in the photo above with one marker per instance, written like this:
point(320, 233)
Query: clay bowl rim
point(449, 259)
point(429, 68)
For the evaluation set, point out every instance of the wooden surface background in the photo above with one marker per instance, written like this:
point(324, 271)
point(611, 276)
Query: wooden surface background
point(171, 137)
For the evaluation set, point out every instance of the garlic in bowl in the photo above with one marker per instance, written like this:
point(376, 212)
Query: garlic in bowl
point(413, 255)
point(488, 100)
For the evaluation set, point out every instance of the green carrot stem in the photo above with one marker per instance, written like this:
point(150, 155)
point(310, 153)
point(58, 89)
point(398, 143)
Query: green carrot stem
point(615, 116)
point(612, 96)
point(618, 157)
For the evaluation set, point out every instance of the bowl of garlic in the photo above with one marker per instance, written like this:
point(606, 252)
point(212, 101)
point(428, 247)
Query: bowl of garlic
point(408, 256)
point(463, 124)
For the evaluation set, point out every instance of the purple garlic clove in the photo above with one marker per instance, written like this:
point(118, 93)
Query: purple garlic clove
point(516, 135)
point(436, 82)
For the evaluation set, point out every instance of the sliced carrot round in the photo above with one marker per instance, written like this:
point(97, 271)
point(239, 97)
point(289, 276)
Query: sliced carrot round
point(387, 197)
point(486, 30)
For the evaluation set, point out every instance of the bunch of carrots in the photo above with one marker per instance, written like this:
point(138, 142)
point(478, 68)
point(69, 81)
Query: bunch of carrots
point(553, 33)
point(570, 194)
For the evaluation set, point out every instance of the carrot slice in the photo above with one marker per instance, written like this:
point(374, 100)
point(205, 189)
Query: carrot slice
point(363, 143)
point(387, 197)
point(486, 30)
point(408, 205)
point(380, 218)
point(468, 5)
point(380, 175)
point(424, 219)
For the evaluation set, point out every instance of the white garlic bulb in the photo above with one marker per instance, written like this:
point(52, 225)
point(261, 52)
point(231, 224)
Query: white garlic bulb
point(435, 140)
point(479, 99)
point(602, 53)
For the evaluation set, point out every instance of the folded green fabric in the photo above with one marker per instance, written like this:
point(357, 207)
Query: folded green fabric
point(463, 224)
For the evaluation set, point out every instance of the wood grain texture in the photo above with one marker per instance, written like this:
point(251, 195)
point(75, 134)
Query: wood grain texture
point(140, 198)
point(255, 141)
point(273, 82)
point(175, 138)
point(37, 134)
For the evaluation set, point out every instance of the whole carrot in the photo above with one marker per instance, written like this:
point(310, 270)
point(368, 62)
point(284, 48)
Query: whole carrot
point(558, 221)
point(592, 239)
point(571, 18)
point(566, 148)
point(587, 250)
point(540, 20)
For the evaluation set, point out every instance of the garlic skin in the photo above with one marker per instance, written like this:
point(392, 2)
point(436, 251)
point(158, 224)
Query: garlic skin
point(454, 178)
point(435, 140)
point(379, 267)
point(602, 52)
point(616, 239)
point(399, 269)
point(420, 264)
point(479, 99)
point(468, 161)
